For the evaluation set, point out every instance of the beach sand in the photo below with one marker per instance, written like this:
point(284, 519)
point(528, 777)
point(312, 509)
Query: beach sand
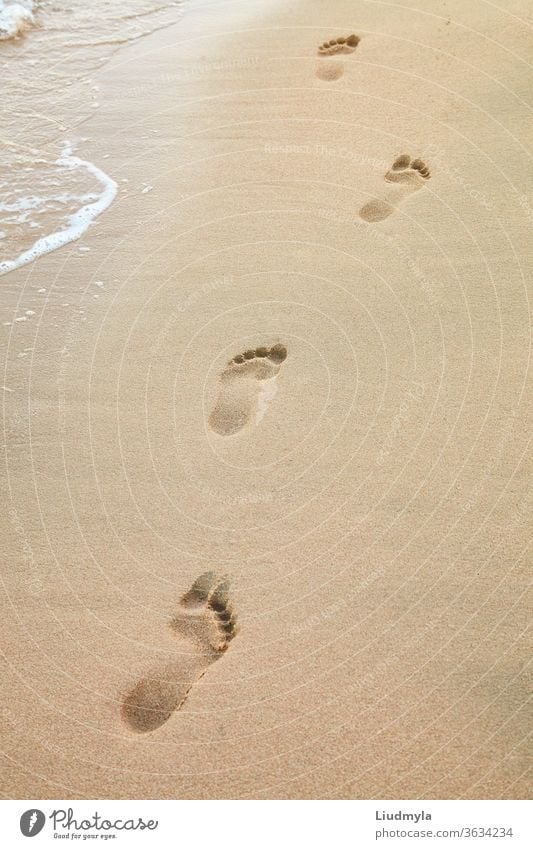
point(358, 487)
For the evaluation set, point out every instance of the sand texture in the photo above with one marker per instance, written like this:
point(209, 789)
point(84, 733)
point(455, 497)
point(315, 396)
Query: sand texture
point(266, 469)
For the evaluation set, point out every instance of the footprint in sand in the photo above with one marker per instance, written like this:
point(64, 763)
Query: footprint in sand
point(329, 71)
point(409, 175)
point(246, 387)
point(207, 624)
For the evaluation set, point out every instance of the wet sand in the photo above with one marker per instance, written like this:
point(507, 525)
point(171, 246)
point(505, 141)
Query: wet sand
point(287, 357)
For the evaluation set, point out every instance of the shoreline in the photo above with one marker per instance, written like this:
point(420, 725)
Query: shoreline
point(50, 92)
point(371, 523)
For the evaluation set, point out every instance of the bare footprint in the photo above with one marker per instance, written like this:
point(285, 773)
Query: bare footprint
point(408, 175)
point(330, 71)
point(245, 388)
point(207, 624)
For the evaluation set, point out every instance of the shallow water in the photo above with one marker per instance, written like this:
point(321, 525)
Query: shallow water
point(49, 53)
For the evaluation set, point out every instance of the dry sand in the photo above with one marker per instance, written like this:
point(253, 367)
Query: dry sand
point(364, 489)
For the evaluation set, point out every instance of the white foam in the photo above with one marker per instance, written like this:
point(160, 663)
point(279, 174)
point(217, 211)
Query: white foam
point(78, 222)
point(15, 18)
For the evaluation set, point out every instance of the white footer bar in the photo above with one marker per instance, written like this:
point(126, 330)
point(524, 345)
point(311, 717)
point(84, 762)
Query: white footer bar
point(261, 824)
